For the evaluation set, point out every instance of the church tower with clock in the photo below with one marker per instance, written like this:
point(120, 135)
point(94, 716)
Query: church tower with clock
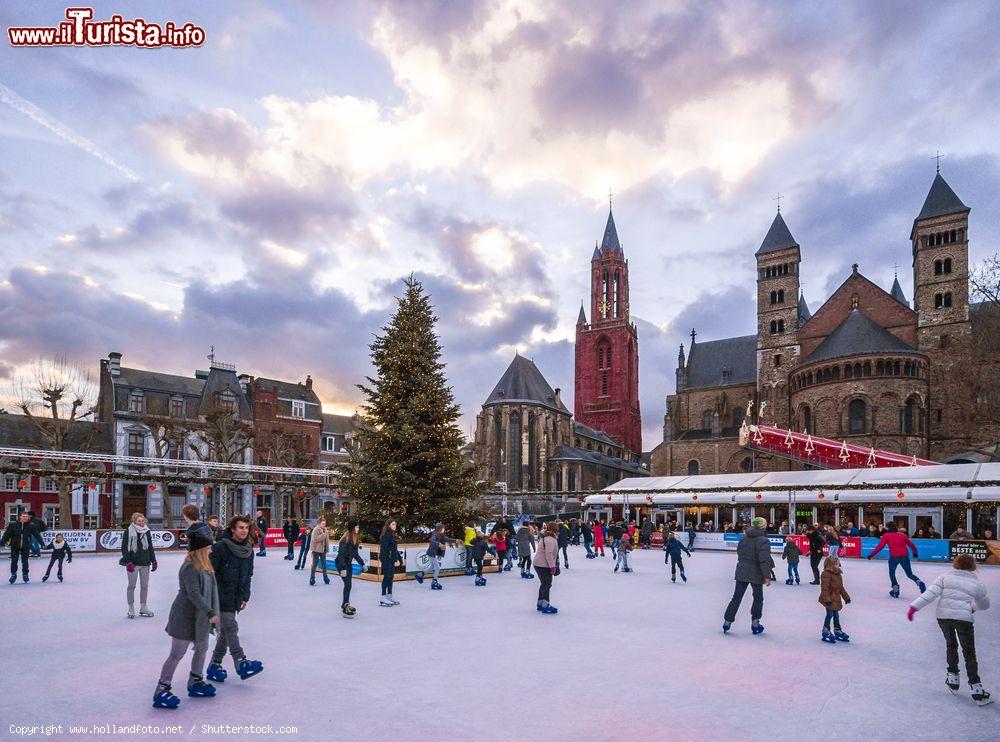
point(606, 392)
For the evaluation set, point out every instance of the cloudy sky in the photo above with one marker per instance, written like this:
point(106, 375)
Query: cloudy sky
point(267, 191)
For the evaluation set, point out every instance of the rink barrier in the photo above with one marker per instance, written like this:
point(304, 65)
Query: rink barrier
point(415, 561)
point(928, 549)
point(108, 540)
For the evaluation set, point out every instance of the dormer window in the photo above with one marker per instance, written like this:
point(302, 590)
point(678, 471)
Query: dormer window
point(227, 402)
point(176, 407)
point(137, 402)
point(298, 408)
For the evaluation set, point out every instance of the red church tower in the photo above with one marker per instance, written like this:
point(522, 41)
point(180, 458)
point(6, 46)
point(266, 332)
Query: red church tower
point(607, 350)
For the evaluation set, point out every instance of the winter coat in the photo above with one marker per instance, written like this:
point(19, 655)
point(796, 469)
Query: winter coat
point(347, 552)
point(547, 554)
point(647, 528)
point(588, 534)
point(320, 540)
point(831, 589)
point(959, 594)
point(898, 544)
point(792, 552)
point(436, 547)
point(60, 552)
point(599, 536)
point(388, 549)
point(39, 525)
point(232, 561)
point(499, 544)
point(470, 534)
point(290, 531)
point(479, 544)
point(262, 527)
point(754, 563)
point(626, 545)
point(563, 536)
point(832, 539)
point(197, 601)
point(615, 532)
point(18, 535)
point(525, 541)
point(673, 548)
point(141, 557)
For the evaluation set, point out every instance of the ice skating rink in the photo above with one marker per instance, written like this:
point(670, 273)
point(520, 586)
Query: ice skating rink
point(629, 656)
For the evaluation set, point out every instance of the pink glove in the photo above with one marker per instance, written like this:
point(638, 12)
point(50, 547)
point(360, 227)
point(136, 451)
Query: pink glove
point(130, 567)
point(910, 613)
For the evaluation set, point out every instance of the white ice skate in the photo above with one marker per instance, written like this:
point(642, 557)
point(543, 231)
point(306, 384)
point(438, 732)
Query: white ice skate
point(953, 682)
point(979, 695)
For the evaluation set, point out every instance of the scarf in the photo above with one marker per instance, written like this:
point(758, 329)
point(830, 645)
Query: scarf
point(239, 549)
point(135, 540)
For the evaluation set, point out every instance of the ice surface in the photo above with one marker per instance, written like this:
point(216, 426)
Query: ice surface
point(629, 656)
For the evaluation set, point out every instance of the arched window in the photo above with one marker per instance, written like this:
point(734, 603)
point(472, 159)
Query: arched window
point(953, 235)
point(947, 298)
point(947, 265)
point(693, 467)
point(616, 294)
point(604, 366)
point(856, 413)
point(879, 368)
point(807, 421)
point(908, 424)
point(938, 267)
point(848, 371)
point(514, 451)
point(706, 420)
point(738, 417)
point(746, 465)
point(774, 297)
point(774, 327)
point(781, 296)
point(866, 370)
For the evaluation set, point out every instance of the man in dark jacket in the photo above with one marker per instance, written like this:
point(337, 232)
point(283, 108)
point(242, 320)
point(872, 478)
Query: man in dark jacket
point(38, 526)
point(290, 530)
point(647, 531)
point(262, 529)
point(816, 544)
point(753, 568)
point(19, 535)
point(562, 539)
point(588, 539)
point(232, 560)
point(615, 532)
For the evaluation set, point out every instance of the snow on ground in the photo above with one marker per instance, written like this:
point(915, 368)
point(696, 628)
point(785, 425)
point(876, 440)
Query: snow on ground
point(628, 656)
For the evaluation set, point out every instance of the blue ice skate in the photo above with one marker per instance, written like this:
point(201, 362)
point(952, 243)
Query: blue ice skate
point(419, 577)
point(60, 578)
point(217, 673)
point(435, 585)
point(469, 572)
point(789, 581)
point(684, 576)
point(480, 581)
point(312, 580)
point(326, 580)
point(894, 591)
point(163, 698)
point(841, 636)
point(248, 668)
point(45, 578)
point(726, 626)
point(921, 586)
point(548, 608)
point(828, 637)
point(757, 628)
point(13, 579)
point(200, 689)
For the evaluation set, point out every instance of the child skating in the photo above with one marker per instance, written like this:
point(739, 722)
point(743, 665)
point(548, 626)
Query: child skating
point(959, 594)
point(623, 551)
point(347, 554)
point(194, 616)
point(479, 546)
point(60, 550)
point(833, 596)
point(792, 553)
point(672, 548)
point(498, 541)
point(435, 553)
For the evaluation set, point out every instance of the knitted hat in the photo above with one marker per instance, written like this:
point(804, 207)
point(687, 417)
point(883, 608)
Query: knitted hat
point(439, 526)
point(200, 537)
point(759, 522)
point(351, 525)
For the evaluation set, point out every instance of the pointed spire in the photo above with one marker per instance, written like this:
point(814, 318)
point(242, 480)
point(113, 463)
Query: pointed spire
point(597, 252)
point(610, 241)
point(804, 313)
point(897, 292)
point(680, 357)
point(941, 200)
point(582, 319)
point(778, 237)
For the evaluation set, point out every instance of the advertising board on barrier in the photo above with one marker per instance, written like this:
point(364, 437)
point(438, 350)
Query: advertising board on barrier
point(276, 537)
point(731, 541)
point(418, 561)
point(77, 540)
point(987, 552)
point(334, 550)
point(112, 540)
point(928, 549)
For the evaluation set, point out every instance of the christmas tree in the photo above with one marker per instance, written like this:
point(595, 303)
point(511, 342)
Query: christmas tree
point(407, 463)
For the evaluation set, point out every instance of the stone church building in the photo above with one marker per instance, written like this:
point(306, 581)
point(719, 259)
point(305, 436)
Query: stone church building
point(525, 435)
point(867, 366)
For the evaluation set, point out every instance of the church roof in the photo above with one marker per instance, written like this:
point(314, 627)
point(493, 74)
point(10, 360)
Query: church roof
point(572, 453)
point(597, 435)
point(610, 242)
point(804, 313)
point(582, 319)
point(941, 200)
point(858, 335)
point(897, 292)
point(708, 361)
point(778, 237)
point(523, 382)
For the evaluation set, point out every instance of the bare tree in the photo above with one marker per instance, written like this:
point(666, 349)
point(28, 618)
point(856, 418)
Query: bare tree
point(225, 437)
point(984, 281)
point(291, 449)
point(59, 399)
point(169, 436)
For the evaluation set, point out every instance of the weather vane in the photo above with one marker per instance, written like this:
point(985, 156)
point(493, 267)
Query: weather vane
point(778, 199)
point(937, 157)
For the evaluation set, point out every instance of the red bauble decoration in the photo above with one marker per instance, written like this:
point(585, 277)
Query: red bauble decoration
point(22, 483)
point(152, 488)
point(694, 497)
point(758, 497)
point(821, 495)
point(609, 498)
point(91, 485)
point(208, 490)
point(901, 495)
point(256, 491)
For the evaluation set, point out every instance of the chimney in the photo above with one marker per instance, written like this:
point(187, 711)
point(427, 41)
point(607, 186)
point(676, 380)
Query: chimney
point(245, 382)
point(558, 396)
point(115, 364)
point(309, 381)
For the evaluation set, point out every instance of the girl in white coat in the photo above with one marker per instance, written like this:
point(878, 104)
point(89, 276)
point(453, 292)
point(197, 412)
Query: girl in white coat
point(959, 594)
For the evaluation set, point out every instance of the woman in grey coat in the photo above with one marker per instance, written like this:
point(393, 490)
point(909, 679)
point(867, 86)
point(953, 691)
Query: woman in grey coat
point(194, 616)
point(525, 543)
point(753, 569)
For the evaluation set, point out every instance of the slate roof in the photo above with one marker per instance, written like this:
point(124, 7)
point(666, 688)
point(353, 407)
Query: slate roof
point(940, 201)
point(858, 335)
point(523, 382)
point(220, 380)
point(610, 242)
point(582, 319)
point(778, 237)
point(597, 435)
point(155, 381)
point(338, 424)
point(707, 360)
point(572, 453)
point(287, 389)
point(17, 431)
point(897, 292)
point(804, 313)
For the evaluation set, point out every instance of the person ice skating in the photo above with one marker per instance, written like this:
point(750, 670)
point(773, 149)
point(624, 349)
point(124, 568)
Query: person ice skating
point(60, 550)
point(598, 538)
point(262, 529)
point(562, 537)
point(19, 535)
point(469, 537)
point(436, 550)
point(614, 536)
point(672, 548)
point(959, 594)
point(588, 539)
point(38, 527)
point(213, 523)
point(389, 556)
point(498, 542)
point(478, 549)
point(791, 553)
point(646, 532)
point(816, 544)
point(305, 542)
point(833, 596)
point(347, 554)
point(832, 539)
point(525, 544)
point(290, 530)
point(691, 535)
point(232, 561)
point(753, 567)
point(546, 564)
point(621, 560)
point(139, 559)
point(320, 544)
point(194, 616)
point(900, 547)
